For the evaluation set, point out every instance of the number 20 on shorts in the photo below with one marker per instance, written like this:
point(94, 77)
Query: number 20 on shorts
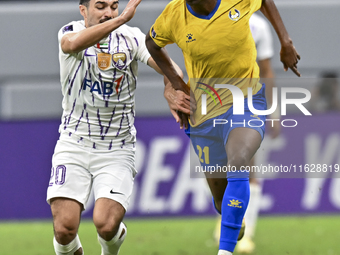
point(58, 175)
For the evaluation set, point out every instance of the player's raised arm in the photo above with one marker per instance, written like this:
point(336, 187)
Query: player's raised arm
point(288, 55)
point(107, 15)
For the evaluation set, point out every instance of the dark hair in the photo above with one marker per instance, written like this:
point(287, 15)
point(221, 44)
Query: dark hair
point(84, 2)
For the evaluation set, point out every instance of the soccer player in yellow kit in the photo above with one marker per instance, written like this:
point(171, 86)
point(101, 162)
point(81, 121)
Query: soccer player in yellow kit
point(218, 48)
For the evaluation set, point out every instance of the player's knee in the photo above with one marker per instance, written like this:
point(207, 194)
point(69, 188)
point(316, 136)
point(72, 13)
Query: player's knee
point(238, 162)
point(65, 233)
point(107, 228)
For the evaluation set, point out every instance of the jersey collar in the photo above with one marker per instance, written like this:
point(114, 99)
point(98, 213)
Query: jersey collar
point(204, 16)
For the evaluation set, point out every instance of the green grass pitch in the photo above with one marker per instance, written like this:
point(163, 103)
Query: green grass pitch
point(317, 235)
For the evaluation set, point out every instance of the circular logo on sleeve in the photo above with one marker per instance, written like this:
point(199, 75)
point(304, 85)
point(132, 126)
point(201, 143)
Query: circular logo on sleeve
point(234, 14)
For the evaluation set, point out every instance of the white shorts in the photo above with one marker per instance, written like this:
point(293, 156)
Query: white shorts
point(76, 168)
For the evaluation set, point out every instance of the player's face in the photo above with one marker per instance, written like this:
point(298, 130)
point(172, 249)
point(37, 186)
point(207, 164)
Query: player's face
point(99, 11)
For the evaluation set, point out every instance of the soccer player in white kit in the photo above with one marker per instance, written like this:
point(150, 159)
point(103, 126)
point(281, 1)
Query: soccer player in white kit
point(98, 72)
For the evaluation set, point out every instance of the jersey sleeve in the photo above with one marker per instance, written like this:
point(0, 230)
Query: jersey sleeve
point(255, 5)
point(265, 43)
point(161, 31)
point(72, 27)
point(143, 54)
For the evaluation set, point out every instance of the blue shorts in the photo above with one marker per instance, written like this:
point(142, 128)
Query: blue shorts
point(206, 135)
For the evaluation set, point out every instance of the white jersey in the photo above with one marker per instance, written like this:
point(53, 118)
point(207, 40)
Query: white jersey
point(262, 37)
point(98, 87)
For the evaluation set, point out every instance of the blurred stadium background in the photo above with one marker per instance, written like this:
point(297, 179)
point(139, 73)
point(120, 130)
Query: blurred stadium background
point(170, 212)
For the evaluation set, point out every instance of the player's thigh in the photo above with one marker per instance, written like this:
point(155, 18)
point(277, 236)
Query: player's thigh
point(113, 177)
point(213, 160)
point(69, 177)
point(244, 137)
point(241, 146)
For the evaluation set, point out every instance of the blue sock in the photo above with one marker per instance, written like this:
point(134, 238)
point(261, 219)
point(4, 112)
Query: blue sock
point(234, 205)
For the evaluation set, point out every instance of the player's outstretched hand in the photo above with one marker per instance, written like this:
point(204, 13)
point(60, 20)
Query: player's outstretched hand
point(178, 100)
point(180, 104)
point(289, 57)
point(130, 10)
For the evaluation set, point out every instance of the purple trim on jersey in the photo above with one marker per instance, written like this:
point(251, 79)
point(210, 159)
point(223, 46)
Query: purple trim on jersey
point(128, 83)
point(113, 113)
point(102, 85)
point(110, 39)
point(70, 134)
point(100, 125)
point(65, 120)
point(94, 146)
point(113, 81)
point(121, 121)
point(88, 123)
point(128, 122)
point(117, 42)
point(68, 28)
point(123, 143)
point(133, 111)
point(92, 94)
point(69, 116)
point(74, 77)
point(110, 146)
point(81, 116)
point(121, 87)
point(127, 45)
point(81, 87)
point(88, 55)
point(133, 75)
point(73, 107)
point(136, 41)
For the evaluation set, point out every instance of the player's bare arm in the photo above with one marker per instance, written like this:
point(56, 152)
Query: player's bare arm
point(98, 25)
point(164, 62)
point(288, 55)
point(177, 99)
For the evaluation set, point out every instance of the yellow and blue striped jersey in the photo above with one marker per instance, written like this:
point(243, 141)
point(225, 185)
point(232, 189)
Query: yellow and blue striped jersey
point(218, 47)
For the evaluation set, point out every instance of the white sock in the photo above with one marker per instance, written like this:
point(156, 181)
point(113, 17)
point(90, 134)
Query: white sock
point(68, 249)
point(112, 247)
point(224, 252)
point(253, 209)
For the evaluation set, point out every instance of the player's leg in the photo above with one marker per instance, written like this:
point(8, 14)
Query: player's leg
point(66, 218)
point(241, 146)
point(247, 245)
point(107, 217)
point(112, 184)
point(217, 187)
point(68, 192)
